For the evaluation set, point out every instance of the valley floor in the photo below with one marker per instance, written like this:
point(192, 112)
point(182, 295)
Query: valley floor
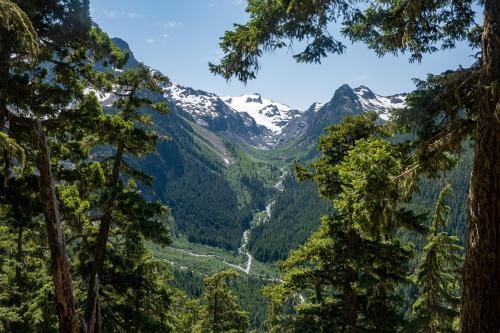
point(206, 260)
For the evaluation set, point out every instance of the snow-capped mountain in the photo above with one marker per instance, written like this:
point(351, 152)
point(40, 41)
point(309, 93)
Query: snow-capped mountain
point(264, 119)
point(272, 115)
point(265, 123)
point(316, 106)
point(345, 101)
point(378, 103)
point(210, 111)
point(199, 104)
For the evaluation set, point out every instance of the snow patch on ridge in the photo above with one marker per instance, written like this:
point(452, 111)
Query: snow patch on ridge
point(267, 113)
point(196, 102)
point(380, 104)
point(317, 106)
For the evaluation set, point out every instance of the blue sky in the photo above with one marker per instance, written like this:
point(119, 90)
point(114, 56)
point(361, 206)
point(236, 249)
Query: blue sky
point(180, 37)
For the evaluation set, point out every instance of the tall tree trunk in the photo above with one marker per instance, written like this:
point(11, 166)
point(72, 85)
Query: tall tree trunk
point(350, 277)
point(6, 170)
point(19, 255)
point(480, 311)
point(4, 81)
point(100, 249)
point(63, 285)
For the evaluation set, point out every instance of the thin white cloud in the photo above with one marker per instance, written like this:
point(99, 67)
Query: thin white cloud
point(172, 24)
point(169, 26)
point(115, 14)
point(150, 40)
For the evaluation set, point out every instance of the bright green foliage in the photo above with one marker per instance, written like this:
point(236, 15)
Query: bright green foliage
point(184, 313)
point(369, 194)
point(135, 292)
point(334, 145)
point(310, 298)
point(15, 21)
point(219, 311)
point(127, 125)
point(25, 281)
point(438, 275)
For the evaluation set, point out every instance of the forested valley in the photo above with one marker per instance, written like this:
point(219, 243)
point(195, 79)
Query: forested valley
point(130, 203)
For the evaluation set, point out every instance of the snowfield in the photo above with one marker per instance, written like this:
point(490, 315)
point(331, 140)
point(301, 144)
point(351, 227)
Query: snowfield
point(267, 113)
point(381, 104)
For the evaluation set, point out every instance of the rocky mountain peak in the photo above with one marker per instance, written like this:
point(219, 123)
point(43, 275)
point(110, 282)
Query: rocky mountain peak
point(267, 113)
point(378, 103)
point(364, 92)
point(255, 98)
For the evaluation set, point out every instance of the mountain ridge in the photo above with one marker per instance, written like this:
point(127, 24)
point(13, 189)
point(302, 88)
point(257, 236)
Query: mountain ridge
point(271, 123)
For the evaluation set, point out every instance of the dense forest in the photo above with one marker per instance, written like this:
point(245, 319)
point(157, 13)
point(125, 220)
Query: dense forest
point(290, 223)
point(373, 233)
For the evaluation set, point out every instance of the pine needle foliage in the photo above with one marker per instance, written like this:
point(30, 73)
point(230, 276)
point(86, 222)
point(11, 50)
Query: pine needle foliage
point(438, 275)
point(219, 311)
point(346, 275)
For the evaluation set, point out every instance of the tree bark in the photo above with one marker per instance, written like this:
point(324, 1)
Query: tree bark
point(100, 250)
point(6, 170)
point(19, 255)
point(480, 311)
point(350, 277)
point(4, 81)
point(63, 285)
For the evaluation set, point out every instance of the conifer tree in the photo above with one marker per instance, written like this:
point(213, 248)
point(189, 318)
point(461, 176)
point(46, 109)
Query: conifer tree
point(23, 264)
point(19, 38)
point(25, 281)
point(127, 131)
point(437, 275)
point(219, 311)
point(345, 276)
point(134, 287)
point(183, 313)
point(48, 111)
point(457, 105)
